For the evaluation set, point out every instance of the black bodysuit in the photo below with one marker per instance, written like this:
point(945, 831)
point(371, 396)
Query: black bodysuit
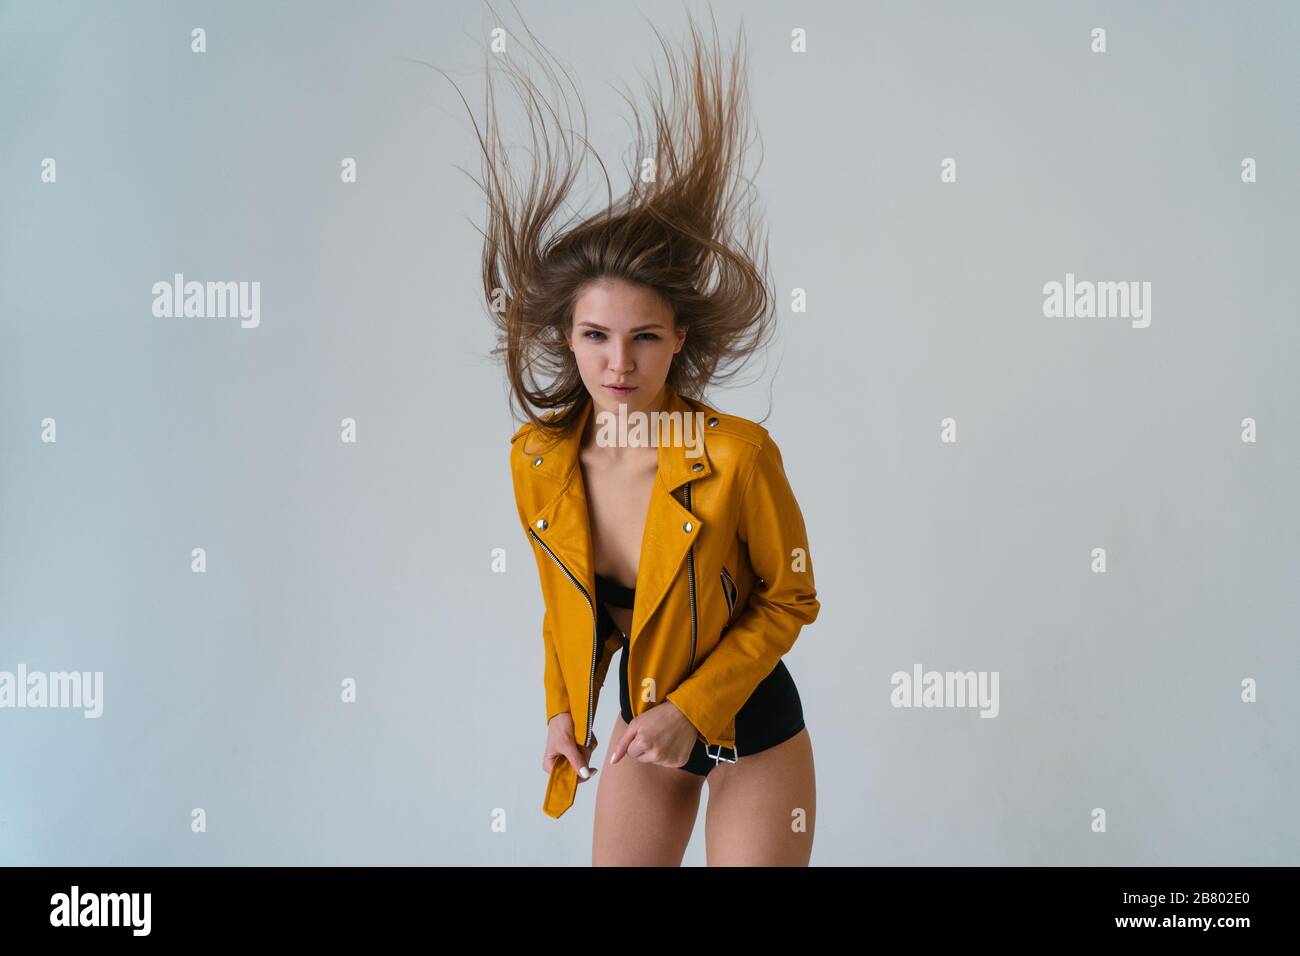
point(772, 715)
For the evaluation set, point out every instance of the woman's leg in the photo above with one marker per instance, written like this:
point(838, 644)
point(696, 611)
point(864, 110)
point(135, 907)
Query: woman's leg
point(762, 808)
point(644, 813)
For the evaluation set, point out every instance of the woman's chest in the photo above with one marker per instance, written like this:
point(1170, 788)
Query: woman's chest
point(618, 498)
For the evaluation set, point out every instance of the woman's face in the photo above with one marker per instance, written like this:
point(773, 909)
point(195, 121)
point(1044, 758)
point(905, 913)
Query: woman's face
point(623, 334)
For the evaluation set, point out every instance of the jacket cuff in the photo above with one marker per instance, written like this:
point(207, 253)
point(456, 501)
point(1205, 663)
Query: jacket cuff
point(692, 713)
point(557, 701)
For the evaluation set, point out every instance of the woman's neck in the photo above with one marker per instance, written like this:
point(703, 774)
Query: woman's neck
point(618, 453)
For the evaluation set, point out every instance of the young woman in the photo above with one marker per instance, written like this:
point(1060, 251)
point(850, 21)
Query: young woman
point(677, 540)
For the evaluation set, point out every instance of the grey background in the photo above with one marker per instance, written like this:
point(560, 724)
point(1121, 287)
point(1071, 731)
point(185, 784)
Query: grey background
point(373, 560)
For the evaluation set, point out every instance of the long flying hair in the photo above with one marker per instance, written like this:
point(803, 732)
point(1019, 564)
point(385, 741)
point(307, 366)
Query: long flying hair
point(684, 228)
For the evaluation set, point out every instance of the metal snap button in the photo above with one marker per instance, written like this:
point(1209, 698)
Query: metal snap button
point(687, 527)
point(541, 523)
point(698, 466)
point(537, 461)
point(713, 422)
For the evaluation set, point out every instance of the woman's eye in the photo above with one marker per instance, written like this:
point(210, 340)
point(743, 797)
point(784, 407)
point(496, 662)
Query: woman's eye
point(591, 332)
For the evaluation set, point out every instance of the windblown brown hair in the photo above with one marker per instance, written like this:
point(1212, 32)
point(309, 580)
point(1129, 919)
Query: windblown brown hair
point(687, 234)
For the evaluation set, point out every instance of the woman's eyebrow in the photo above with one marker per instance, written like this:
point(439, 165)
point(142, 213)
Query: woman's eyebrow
point(639, 328)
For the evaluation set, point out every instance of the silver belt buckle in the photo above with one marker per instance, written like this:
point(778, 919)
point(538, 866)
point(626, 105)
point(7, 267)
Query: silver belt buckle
point(717, 758)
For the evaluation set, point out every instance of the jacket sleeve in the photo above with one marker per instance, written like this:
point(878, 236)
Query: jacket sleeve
point(782, 601)
point(557, 695)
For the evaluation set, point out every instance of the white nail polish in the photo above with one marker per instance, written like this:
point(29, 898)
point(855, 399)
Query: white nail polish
point(582, 772)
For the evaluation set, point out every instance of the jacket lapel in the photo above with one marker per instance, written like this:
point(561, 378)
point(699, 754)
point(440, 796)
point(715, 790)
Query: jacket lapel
point(563, 521)
point(665, 540)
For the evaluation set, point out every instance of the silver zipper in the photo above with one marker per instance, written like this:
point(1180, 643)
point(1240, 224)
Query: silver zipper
point(728, 591)
point(595, 634)
point(690, 577)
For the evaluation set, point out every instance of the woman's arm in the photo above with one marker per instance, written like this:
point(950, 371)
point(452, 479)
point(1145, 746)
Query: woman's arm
point(780, 604)
point(557, 696)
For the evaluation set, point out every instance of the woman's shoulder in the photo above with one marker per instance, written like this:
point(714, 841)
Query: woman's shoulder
point(528, 434)
point(718, 425)
point(522, 431)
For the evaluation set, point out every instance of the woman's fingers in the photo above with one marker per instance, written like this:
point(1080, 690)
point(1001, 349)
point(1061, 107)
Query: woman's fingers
point(626, 741)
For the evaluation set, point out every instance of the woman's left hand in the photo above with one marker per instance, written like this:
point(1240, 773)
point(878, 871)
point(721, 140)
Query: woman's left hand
point(662, 735)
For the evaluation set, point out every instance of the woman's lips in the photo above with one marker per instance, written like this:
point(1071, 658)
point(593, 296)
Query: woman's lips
point(626, 390)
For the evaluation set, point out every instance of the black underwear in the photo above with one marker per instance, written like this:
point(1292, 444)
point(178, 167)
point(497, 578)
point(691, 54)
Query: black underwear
point(772, 715)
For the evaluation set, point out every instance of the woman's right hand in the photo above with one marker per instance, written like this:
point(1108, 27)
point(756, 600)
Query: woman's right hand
point(560, 743)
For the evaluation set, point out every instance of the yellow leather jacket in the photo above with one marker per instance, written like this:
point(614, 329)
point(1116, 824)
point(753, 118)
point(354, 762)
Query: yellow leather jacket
point(723, 586)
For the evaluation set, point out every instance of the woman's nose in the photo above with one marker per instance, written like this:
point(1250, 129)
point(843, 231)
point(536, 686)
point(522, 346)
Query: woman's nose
point(620, 359)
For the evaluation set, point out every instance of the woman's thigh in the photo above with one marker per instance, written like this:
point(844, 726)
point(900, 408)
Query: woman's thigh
point(762, 808)
point(644, 813)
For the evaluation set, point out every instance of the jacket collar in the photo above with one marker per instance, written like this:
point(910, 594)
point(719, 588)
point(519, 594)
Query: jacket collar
point(679, 451)
point(563, 523)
